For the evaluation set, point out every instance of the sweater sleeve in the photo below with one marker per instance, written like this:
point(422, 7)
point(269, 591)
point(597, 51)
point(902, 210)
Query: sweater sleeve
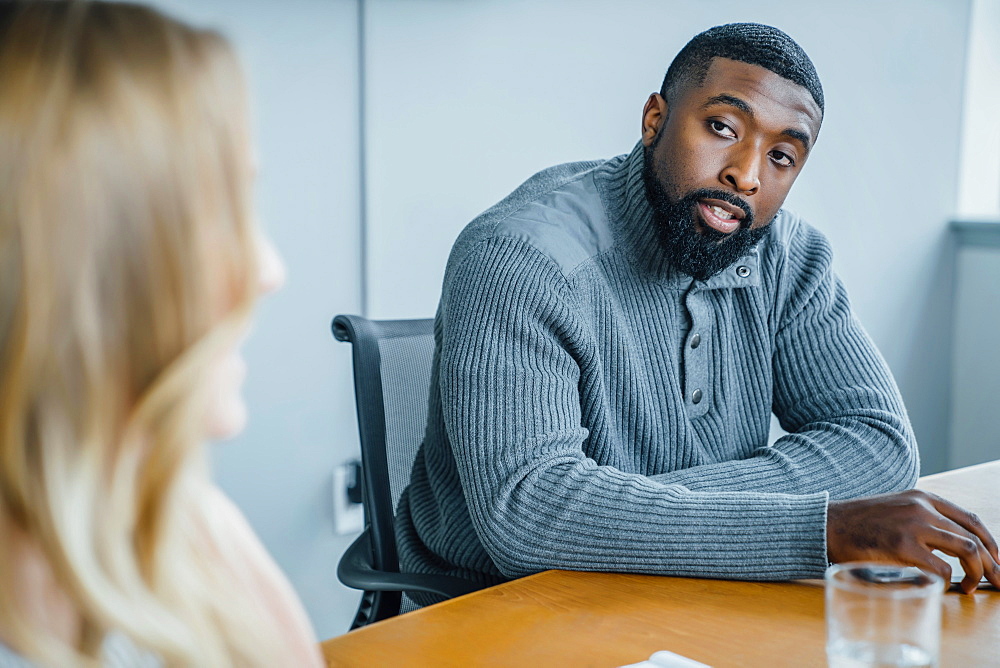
point(511, 405)
point(848, 430)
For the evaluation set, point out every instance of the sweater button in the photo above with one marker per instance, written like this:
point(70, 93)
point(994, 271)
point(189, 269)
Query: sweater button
point(696, 340)
point(742, 271)
point(696, 397)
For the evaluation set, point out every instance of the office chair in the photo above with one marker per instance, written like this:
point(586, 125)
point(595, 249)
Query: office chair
point(392, 372)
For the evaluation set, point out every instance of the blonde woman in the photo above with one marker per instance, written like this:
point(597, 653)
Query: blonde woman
point(129, 264)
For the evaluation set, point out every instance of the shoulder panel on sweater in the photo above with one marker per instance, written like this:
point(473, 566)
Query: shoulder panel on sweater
point(569, 224)
point(558, 211)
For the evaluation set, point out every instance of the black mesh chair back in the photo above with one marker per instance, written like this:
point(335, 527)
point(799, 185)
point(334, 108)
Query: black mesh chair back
point(392, 372)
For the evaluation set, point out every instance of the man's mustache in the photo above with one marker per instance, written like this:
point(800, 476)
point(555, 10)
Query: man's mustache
point(725, 196)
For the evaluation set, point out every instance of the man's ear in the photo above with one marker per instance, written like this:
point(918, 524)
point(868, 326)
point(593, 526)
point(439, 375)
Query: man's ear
point(653, 115)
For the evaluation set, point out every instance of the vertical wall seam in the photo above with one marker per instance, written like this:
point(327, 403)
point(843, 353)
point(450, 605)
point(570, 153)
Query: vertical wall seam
point(362, 163)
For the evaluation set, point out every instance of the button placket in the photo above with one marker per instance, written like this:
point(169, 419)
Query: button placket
point(697, 388)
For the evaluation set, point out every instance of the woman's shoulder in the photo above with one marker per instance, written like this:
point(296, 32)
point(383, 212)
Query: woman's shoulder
point(10, 659)
point(117, 652)
point(41, 598)
point(236, 545)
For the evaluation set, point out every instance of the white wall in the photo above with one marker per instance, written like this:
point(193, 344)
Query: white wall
point(466, 100)
point(975, 423)
point(979, 179)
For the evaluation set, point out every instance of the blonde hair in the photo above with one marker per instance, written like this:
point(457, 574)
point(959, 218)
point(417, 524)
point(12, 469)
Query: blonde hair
point(127, 265)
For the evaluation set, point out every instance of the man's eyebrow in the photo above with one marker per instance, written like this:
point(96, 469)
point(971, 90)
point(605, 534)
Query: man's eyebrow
point(798, 134)
point(731, 100)
point(740, 104)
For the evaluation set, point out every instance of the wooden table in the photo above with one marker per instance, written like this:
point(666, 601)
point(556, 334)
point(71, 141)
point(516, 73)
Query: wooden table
point(562, 618)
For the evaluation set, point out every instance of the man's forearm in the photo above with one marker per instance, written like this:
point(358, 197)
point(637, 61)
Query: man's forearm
point(579, 516)
point(847, 457)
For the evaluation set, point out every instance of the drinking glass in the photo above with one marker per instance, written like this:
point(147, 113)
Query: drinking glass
point(881, 615)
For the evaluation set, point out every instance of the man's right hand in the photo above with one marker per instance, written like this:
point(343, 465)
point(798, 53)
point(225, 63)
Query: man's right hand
point(905, 528)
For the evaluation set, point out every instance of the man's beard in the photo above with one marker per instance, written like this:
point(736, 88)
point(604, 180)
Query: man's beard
point(703, 254)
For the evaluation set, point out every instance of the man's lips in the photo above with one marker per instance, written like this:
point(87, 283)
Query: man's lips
point(720, 216)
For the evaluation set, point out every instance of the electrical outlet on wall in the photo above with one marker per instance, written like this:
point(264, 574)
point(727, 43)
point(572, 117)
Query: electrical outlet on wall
point(348, 516)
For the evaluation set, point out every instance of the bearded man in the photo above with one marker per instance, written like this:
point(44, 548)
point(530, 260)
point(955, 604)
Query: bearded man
point(613, 337)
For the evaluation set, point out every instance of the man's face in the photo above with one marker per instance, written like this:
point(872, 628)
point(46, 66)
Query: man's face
point(721, 159)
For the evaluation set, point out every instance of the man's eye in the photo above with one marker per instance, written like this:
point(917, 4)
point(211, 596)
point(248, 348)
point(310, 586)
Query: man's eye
point(720, 128)
point(782, 159)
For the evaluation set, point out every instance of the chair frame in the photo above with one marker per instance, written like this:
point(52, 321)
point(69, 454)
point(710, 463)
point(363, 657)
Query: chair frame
point(371, 563)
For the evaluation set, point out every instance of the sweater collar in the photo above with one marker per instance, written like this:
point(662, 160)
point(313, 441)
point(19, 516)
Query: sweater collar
point(623, 190)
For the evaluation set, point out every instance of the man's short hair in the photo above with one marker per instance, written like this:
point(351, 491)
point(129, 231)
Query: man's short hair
point(751, 43)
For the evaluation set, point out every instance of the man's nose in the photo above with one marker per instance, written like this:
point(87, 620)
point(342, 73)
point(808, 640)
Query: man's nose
point(742, 172)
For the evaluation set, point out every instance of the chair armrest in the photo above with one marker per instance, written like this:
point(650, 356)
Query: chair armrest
point(356, 571)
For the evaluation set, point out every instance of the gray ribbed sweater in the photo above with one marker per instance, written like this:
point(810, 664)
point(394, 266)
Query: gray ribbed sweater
point(575, 423)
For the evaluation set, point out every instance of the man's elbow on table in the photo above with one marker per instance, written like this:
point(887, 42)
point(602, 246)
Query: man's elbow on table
point(517, 539)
